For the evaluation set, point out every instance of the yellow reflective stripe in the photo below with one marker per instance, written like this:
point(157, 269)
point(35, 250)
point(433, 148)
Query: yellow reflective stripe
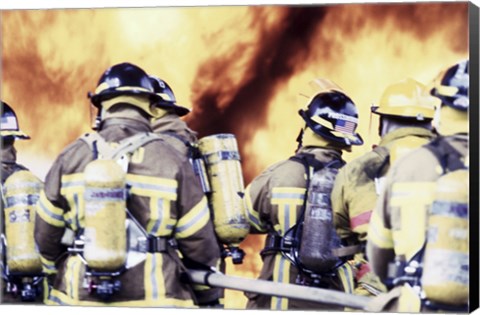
point(159, 223)
point(378, 234)
point(72, 183)
point(194, 220)
point(73, 188)
point(153, 224)
point(48, 266)
point(199, 287)
point(150, 186)
point(153, 277)
point(345, 272)
point(281, 273)
point(412, 199)
point(287, 216)
point(59, 298)
point(76, 216)
point(291, 195)
point(252, 214)
point(287, 199)
point(72, 275)
point(45, 289)
point(48, 212)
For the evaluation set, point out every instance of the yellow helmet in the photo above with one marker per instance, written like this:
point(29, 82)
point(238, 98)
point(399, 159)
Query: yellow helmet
point(407, 98)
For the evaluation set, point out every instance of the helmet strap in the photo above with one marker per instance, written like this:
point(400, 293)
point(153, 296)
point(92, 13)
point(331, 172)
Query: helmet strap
point(311, 139)
point(159, 112)
point(300, 137)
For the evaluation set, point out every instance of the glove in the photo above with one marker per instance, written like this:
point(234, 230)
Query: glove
point(362, 269)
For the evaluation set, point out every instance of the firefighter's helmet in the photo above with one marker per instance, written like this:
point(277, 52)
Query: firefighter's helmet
point(127, 81)
point(10, 127)
point(167, 97)
point(408, 99)
point(451, 86)
point(331, 114)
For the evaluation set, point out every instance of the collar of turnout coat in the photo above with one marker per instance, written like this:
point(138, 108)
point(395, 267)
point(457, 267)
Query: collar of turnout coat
point(173, 124)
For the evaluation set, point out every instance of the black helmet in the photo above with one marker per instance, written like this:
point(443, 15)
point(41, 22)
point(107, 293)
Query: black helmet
point(167, 98)
point(123, 79)
point(451, 86)
point(333, 115)
point(10, 127)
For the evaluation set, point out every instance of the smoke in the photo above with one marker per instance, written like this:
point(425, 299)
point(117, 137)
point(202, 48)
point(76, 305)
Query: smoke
point(423, 20)
point(279, 51)
point(47, 68)
point(234, 92)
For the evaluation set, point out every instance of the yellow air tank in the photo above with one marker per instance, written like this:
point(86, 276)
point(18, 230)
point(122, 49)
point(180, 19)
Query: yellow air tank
point(105, 214)
point(227, 188)
point(446, 261)
point(22, 190)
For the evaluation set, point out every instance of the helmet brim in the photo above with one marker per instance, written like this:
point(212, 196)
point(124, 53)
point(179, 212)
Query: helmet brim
point(418, 112)
point(106, 95)
point(178, 109)
point(327, 133)
point(17, 134)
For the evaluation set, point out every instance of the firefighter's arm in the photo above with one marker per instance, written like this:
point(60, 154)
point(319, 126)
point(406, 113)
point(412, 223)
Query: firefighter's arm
point(380, 250)
point(341, 217)
point(257, 197)
point(49, 222)
point(194, 232)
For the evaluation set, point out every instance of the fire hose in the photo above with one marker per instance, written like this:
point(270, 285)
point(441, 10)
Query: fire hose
point(219, 280)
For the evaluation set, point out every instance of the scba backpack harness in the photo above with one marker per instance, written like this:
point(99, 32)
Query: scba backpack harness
point(312, 244)
point(440, 270)
point(112, 240)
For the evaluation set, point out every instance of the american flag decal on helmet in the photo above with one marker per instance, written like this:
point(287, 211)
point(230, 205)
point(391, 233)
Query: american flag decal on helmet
point(345, 126)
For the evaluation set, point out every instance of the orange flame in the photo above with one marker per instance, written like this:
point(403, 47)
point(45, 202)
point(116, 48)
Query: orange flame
point(239, 68)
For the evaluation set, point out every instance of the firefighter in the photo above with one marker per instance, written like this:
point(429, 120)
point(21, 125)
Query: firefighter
point(20, 266)
point(397, 241)
point(161, 203)
point(10, 133)
point(406, 113)
point(276, 198)
point(175, 131)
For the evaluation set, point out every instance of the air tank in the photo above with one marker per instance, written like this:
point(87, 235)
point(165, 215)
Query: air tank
point(105, 216)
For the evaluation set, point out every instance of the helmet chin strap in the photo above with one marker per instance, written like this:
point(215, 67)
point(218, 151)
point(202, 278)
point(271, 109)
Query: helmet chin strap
point(310, 138)
point(299, 138)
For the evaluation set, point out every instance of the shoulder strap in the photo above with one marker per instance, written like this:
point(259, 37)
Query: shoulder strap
point(99, 146)
point(193, 151)
point(179, 138)
point(309, 160)
point(449, 158)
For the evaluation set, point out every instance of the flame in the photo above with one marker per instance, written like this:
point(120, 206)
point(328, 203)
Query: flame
point(239, 69)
